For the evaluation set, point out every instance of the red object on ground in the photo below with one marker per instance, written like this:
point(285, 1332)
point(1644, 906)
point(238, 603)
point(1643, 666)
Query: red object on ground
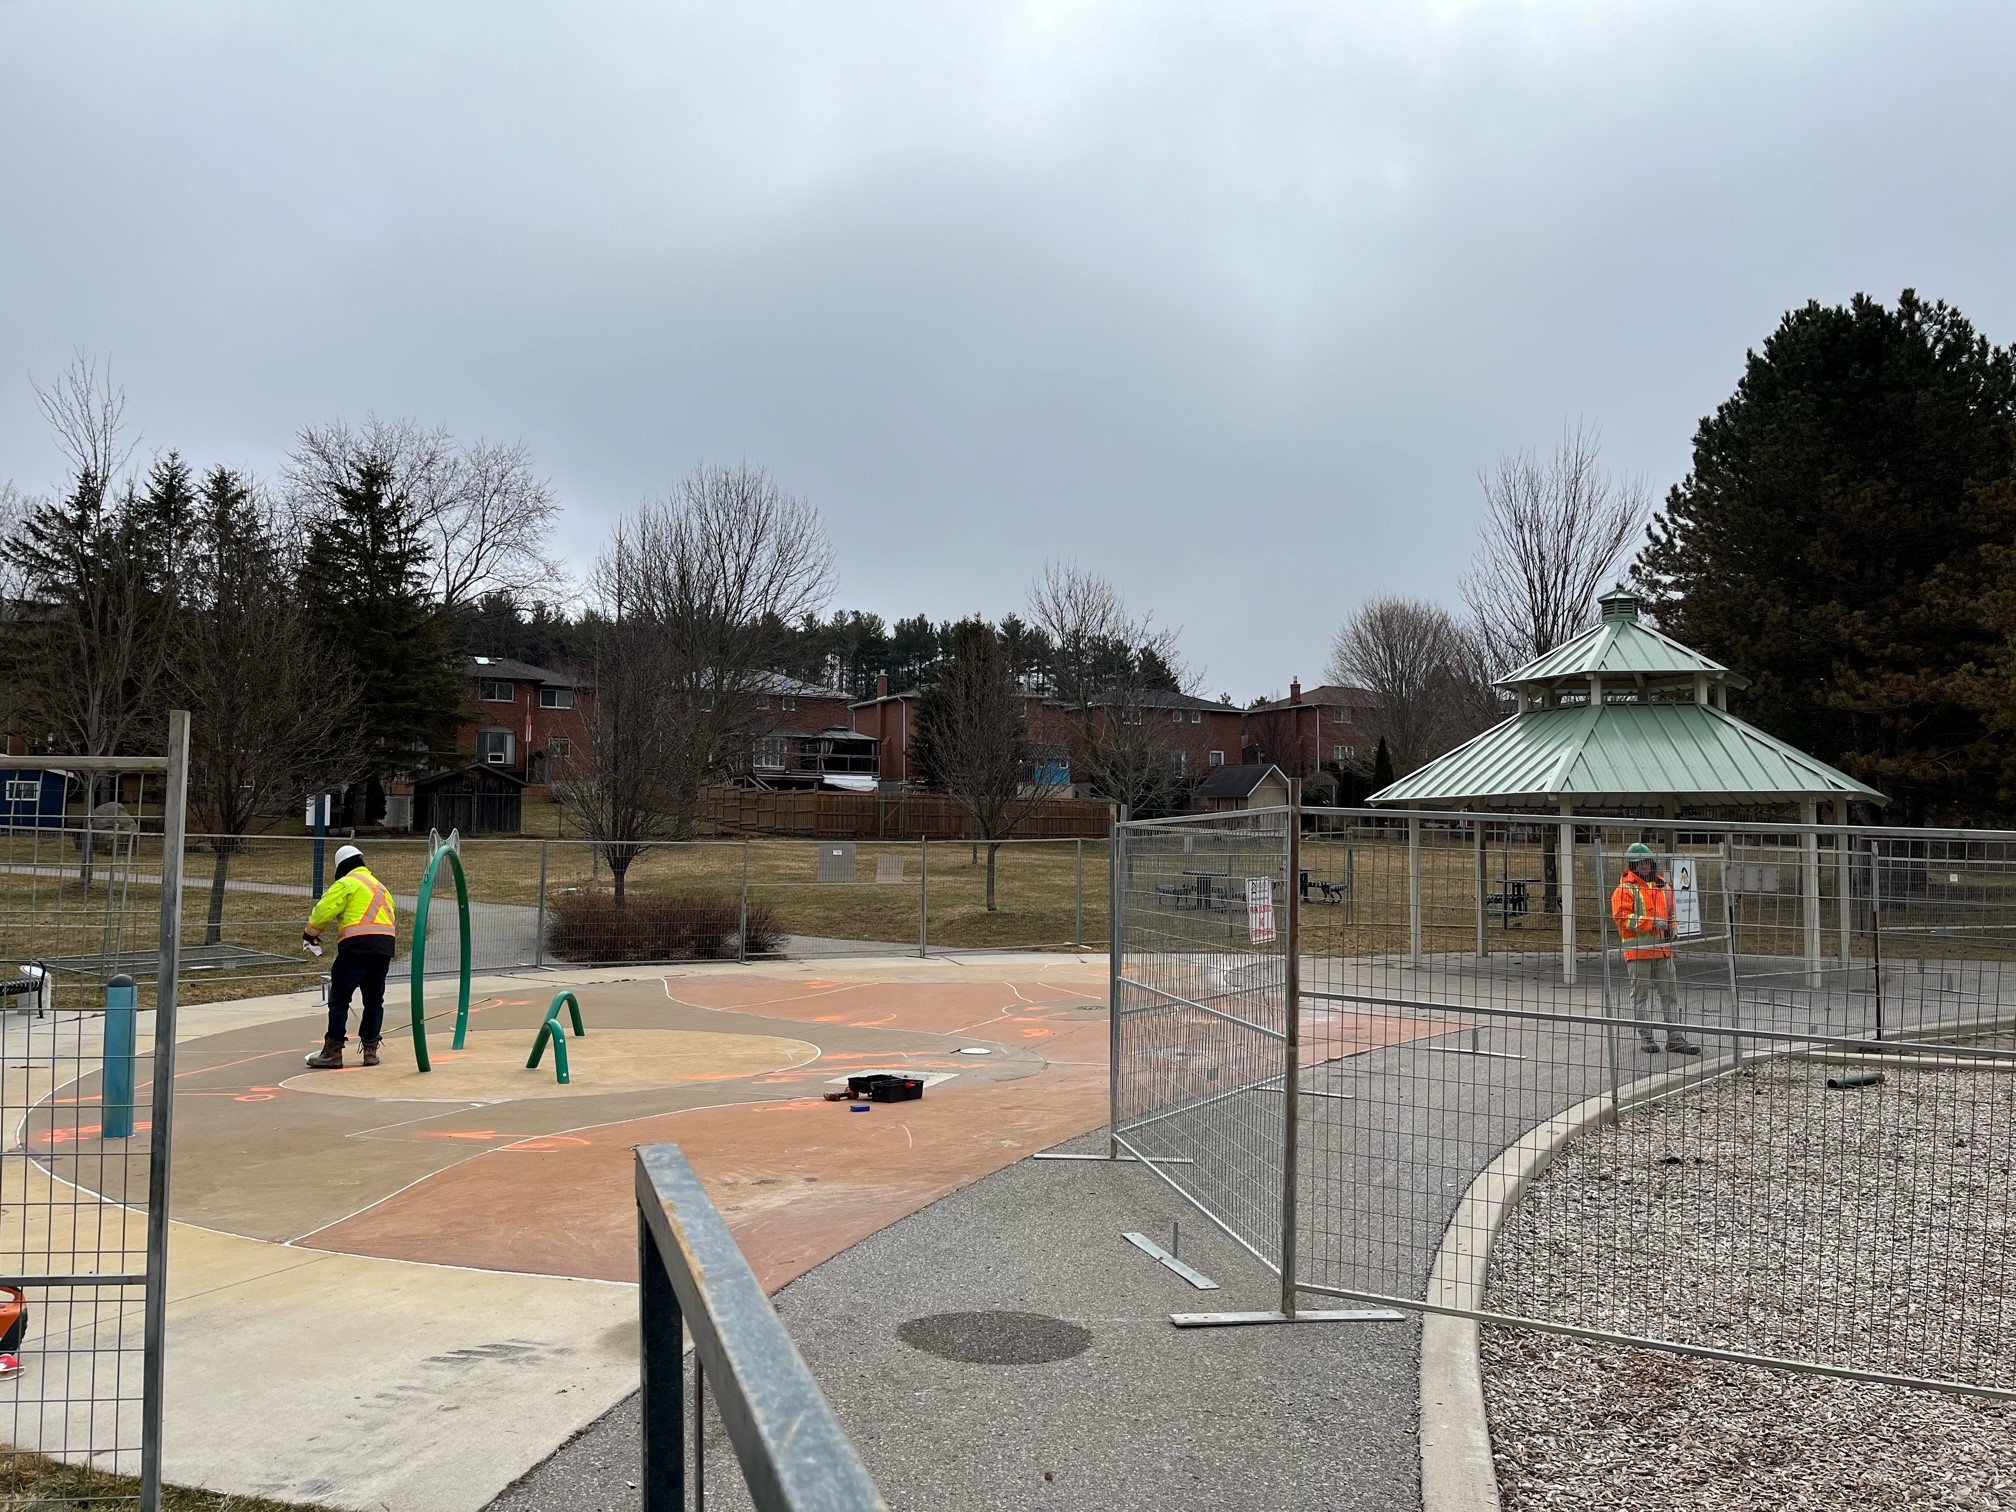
point(10, 1365)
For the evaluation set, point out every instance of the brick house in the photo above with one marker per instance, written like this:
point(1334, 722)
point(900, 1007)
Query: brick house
point(890, 720)
point(521, 719)
point(1201, 734)
point(1329, 726)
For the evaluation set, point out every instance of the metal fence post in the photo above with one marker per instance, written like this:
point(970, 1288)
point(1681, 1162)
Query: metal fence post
point(923, 895)
point(1291, 1085)
point(1603, 926)
point(661, 1406)
point(742, 927)
point(539, 940)
point(1413, 889)
point(1078, 922)
point(154, 1328)
point(1729, 933)
point(1115, 848)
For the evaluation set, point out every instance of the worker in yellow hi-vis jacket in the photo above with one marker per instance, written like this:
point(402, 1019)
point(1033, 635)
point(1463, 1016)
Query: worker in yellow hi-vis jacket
point(361, 909)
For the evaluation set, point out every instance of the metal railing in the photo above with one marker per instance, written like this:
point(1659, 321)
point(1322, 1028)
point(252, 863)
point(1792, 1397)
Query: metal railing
point(795, 1457)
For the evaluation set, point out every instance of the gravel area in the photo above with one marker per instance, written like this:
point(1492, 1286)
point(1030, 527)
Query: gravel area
point(1869, 1228)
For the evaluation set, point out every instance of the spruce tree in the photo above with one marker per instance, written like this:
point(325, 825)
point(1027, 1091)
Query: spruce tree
point(365, 579)
point(1835, 542)
point(1382, 766)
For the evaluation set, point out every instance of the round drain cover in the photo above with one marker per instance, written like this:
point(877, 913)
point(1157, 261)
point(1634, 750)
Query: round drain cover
point(996, 1338)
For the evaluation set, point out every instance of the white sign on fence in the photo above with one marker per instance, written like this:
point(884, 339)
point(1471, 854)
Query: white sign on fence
point(1686, 897)
point(1260, 910)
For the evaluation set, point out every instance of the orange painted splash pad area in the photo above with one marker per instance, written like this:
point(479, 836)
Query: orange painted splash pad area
point(483, 1163)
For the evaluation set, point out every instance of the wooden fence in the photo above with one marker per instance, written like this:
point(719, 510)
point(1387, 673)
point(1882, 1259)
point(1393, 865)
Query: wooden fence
point(884, 816)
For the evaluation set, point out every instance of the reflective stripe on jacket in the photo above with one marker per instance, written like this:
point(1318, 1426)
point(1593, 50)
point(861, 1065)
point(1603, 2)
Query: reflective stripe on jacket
point(1644, 914)
point(357, 904)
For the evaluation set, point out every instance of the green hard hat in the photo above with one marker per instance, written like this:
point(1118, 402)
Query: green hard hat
point(1634, 851)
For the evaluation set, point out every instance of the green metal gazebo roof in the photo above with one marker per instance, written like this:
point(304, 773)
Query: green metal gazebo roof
point(1619, 647)
point(1620, 755)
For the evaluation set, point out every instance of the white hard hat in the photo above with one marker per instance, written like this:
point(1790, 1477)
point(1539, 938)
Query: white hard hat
point(345, 852)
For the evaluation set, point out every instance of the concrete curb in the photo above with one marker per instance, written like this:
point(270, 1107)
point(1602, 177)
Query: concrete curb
point(1457, 1474)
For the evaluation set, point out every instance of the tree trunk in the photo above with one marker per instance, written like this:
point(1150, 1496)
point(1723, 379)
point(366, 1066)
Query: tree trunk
point(220, 871)
point(992, 847)
point(1550, 868)
point(617, 871)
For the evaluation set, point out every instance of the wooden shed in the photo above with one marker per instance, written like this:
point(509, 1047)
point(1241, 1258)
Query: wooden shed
point(477, 800)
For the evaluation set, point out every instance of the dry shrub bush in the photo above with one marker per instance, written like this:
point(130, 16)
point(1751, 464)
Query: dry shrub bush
point(590, 926)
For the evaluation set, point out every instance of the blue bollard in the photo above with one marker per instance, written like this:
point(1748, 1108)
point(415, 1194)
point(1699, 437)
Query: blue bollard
point(122, 1002)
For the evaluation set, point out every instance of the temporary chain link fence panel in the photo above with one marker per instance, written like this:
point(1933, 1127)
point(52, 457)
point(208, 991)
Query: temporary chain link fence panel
point(1201, 1012)
point(1467, 1009)
point(84, 1154)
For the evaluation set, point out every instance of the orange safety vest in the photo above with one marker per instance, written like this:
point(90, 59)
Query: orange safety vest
point(1644, 914)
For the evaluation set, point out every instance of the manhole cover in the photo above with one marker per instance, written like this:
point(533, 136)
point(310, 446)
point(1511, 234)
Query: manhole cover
point(996, 1338)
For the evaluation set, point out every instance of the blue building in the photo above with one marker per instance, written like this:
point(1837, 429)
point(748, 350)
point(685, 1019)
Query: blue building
point(33, 798)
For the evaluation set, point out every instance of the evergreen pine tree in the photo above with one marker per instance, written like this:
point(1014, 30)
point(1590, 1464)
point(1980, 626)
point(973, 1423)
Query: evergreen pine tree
point(1382, 766)
point(1836, 542)
point(365, 580)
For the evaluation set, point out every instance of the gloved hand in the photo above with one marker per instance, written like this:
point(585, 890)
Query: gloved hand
point(310, 937)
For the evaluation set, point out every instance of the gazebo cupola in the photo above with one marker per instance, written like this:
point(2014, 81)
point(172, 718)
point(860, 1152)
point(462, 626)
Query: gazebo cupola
point(1621, 660)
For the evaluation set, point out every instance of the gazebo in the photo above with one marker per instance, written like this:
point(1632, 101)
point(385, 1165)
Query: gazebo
point(1623, 721)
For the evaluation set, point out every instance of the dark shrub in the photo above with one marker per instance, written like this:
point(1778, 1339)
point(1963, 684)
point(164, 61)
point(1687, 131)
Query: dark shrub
point(589, 925)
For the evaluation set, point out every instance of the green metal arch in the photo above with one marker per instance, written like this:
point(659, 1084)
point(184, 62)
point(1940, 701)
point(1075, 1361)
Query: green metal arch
point(551, 1029)
point(449, 850)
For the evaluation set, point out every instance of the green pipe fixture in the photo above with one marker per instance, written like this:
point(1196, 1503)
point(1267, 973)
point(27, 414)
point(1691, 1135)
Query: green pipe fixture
point(449, 850)
point(551, 1029)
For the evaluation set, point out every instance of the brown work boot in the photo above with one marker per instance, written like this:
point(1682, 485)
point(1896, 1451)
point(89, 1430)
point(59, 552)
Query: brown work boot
point(1679, 1044)
point(370, 1051)
point(331, 1058)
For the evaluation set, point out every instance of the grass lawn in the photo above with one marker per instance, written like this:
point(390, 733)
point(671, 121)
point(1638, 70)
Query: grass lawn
point(32, 1481)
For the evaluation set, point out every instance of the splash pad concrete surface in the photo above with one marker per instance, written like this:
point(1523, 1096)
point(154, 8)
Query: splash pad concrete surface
point(402, 1291)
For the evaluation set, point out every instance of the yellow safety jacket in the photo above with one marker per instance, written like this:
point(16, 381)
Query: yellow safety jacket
point(357, 904)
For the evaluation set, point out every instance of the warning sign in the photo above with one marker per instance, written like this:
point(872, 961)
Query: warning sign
point(1260, 909)
point(1686, 897)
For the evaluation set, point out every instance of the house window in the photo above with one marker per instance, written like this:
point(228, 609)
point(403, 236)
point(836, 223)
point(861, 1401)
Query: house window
point(1176, 716)
point(1183, 762)
point(559, 748)
point(789, 701)
point(556, 698)
point(770, 753)
point(493, 747)
point(1343, 752)
point(1217, 758)
point(23, 790)
point(496, 690)
point(1130, 716)
point(1196, 716)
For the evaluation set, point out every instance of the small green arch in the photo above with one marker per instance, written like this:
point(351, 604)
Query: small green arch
point(551, 1029)
point(449, 850)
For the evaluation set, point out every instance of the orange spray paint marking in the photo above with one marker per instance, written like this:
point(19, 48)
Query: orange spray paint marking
point(460, 1134)
point(549, 1142)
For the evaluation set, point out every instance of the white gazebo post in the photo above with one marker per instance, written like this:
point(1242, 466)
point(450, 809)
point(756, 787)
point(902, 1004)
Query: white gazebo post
point(1477, 840)
point(1809, 885)
point(1564, 868)
point(1843, 864)
point(1414, 889)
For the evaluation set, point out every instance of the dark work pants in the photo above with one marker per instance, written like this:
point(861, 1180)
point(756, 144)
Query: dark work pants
point(350, 971)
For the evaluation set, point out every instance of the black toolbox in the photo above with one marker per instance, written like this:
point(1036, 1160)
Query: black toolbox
point(883, 1087)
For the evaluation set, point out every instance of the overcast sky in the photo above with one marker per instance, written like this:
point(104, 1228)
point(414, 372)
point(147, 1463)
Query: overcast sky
point(1232, 302)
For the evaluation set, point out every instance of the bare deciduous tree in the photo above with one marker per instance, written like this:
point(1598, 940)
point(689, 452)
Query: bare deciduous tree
point(698, 593)
point(90, 650)
point(972, 740)
point(1417, 662)
point(484, 512)
point(1555, 530)
point(1113, 670)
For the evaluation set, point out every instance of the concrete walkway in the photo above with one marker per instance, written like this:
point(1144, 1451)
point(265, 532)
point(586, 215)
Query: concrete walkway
point(1147, 1417)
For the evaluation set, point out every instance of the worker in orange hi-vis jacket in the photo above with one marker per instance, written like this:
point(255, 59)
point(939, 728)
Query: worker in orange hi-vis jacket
point(361, 909)
point(1642, 906)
